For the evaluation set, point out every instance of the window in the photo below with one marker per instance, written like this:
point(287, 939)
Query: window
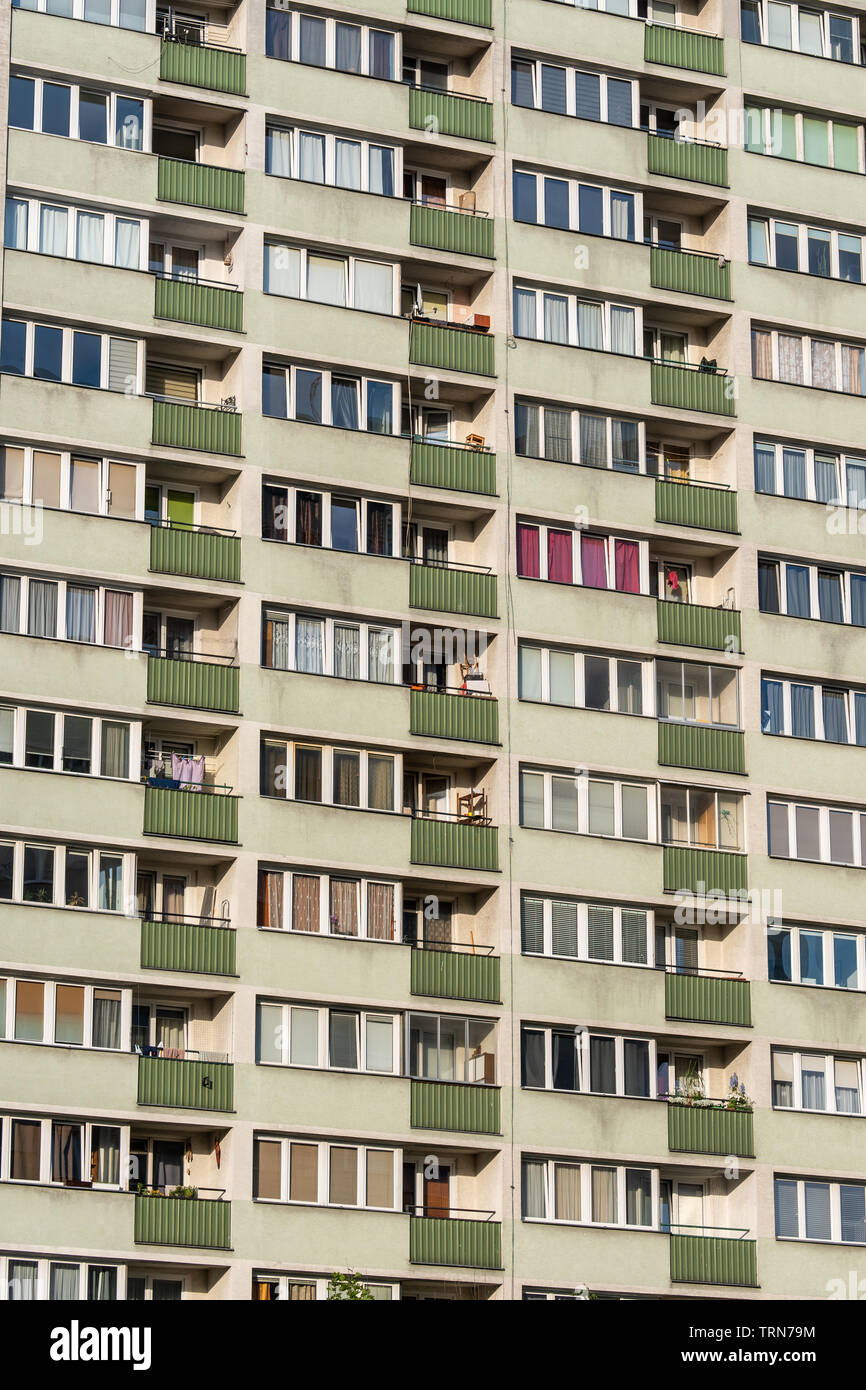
point(827, 1211)
point(339, 161)
point(339, 777)
point(800, 29)
point(829, 713)
point(304, 517)
point(62, 876)
point(576, 557)
point(56, 108)
point(566, 203)
point(568, 929)
point(327, 1174)
point(552, 317)
point(337, 1039)
point(810, 591)
point(330, 398)
point(102, 237)
point(826, 1083)
point(311, 902)
point(563, 677)
point(325, 42)
point(822, 834)
point(49, 1012)
point(573, 1059)
point(330, 646)
point(63, 354)
point(569, 91)
point(587, 805)
point(60, 742)
point(810, 473)
point(802, 361)
point(824, 140)
point(815, 956)
point(440, 1047)
point(581, 1193)
point(701, 816)
point(347, 281)
point(570, 436)
point(798, 246)
point(694, 693)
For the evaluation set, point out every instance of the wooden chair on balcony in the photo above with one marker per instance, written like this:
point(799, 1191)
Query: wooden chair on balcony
point(472, 807)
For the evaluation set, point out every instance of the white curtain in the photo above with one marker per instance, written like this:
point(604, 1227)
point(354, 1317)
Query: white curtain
point(280, 645)
point(127, 243)
point(118, 619)
point(524, 314)
point(311, 163)
point(80, 614)
point(347, 656)
point(22, 1280)
point(10, 603)
point(374, 287)
point(280, 152)
point(283, 270)
point(53, 225)
point(555, 318)
point(348, 164)
point(90, 237)
point(621, 215)
point(326, 279)
point(622, 330)
point(533, 1188)
point(64, 1282)
point(593, 440)
point(381, 655)
point(308, 645)
point(16, 224)
point(589, 329)
point(824, 364)
point(790, 358)
point(348, 51)
point(42, 618)
point(382, 170)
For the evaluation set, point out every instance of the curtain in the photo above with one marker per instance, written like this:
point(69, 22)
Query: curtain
point(80, 614)
point(280, 648)
point(66, 1153)
point(802, 711)
point(22, 1283)
point(853, 376)
point(106, 1019)
point(627, 566)
point(858, 600)
point(567, 1191)
point(772, 707)
point(602, 1065)
point(534, 1188)
point(282, 270)
point(380, 911)
point(829, 597)
point(347, 779)
point(312, 40)
point(279, 33)
point(604, 1194)
point(593, 440)
point(105, 1158)
point(279, 149)
point(823, 365)
point(344, 403)
point(309, 519)
point(380, 782)
point(622, 330)
point(348, 49)
point(638, 1196)
point(794, 472)
point(636, 1063)
point(42, 617)
point(326, 279)
point(347, 653)
point(90, 237)
point(855, 474)
point(555, 318)
point(762, 355)
point(526, 431)
point(344, 907)
point(118, 619)
point(311, 157)
point(826, 484)
point(592, 562)
point(528, 563)
point(102, 1283)
point(305, 903)
point(557, 434)
point(115, 749)
point(382, 170)
point(16, 224)
point(765, 468)
point(63, 1284)
point(813, 1089)
point(308, 645)
point(768, 587)
point(797, 581)
point(835, 723)
point(622, 216)
point(381, 54)
point(380, 642)
point(271, 899)
point(53, 230)
point(374, 287)
point(589, 325)
point(790, 359)
point(626, 444)
point(524, 313)
point(559, 557)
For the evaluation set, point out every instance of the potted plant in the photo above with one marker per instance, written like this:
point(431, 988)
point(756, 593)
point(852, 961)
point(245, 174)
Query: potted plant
point(736, 1097)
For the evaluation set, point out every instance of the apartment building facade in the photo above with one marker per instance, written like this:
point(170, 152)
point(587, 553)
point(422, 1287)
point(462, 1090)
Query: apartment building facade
point(422, 426)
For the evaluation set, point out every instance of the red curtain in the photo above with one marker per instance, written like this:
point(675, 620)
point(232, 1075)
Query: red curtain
point(527, 552)
point(592, 562)
point(559, 566)
point(627, 567)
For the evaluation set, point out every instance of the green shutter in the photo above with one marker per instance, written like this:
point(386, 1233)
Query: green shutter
point(688, 273)
point(444, 229)
point(451, 349)
point(695, 625)
point(691, 504)
point(707, 750)
point(196, 65)
point(196, 1221)
point(184, 426)
point(455, 844)
point(704, 871)
point(705, 1129)
point(708, 999)
point(471, 717)
point(179, 1084)
point(192, 684)
point(195, 554)
point(458, 11)
point(200, 185)
point(188, 946)
point(683, 159)
point(684, 48)
point(455, 975)
point(443, 113)
point(449, 466)
point(686, 388)
point(201, 815)
point(714, 1260)
point(457, 1107)
point(452, 590)
point(455, 1241)
point(208, 306)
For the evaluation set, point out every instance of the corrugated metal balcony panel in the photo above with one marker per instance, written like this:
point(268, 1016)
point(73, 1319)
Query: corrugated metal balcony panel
point(683, 48)
point(444, 113)
point(695, 625)
point(200, 185)
point(192, 684)
point(704, 1129)
point(688, 273)
point(708, 999)
point(187, 946)
point(185, 1084)
point(451, 349)
point(207, 306)
point(190, 815)
point(455, 845)
point(461, 470)
point(195, 554)
point(218, 69)
point(687, 504)
point(199, 1221)
point(455, 975)
point(471, 717)
point(455, 1241)
point(459, 1108)
point(714, 1260)
point(458, 11)
point(452, 591)
point(681, 159)
point(708, 750)
point(183, 426)
point(704, 870)
point(685, 388)
point(441, 229)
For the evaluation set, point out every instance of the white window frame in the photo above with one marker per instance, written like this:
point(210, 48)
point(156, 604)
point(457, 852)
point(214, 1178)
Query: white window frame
point(829, 1060)
point(68, 338)
point(582, 1036)
point(327, 751)
point(324, 1147)
point(858, 832)
point(110, 218)
point(7, 1025)
point(326, 495)
point(362, 1018)
point(20, 712)
point(583, 906)
point(803, 229)
point(767, 135)
point(814, 614)
point(331, 21)
point(825, 14)
point(571, 70)
point(576, 414)
point(617, 781)
point(324, 904)
point(835, 1187)
point(806, 341)
point(330, 138)
point(579, 654)
point(75, 90)
point(586, 1167)
point(718, 794)
point(828, 936)
point(574, 186)
point(364, 627)
point(609, 539)
point(572, 300)
point(362, 378)
point(99, 608)
point(349, 261)
point(43, 1272)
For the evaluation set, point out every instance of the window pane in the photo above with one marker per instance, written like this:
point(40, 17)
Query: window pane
point(304, 1172)
point(304, 1045)
point(343, 1184)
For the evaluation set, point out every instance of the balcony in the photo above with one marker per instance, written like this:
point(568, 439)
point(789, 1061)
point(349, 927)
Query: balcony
point(459, 1107)
point(693, 504)
point(453, 466)
point(455, 972)
point(188, 944)
point(203, 1222)
point(435, 714)
point(704, 871)
point(189, 683)
point(450, 348)
point(705, 749)
point(195, 552)
point(708, 998)
point(684, 48)
point(466, 1242)
point(687, 159)
point(197, 65)
point(211, 429)
point(450, 589)
point(690, 388)
point(696, 625)
point(444, 229)
point(209, 814)
point(470, 118)
point(690, 272)
point(707, 1128)
point(200, 185)
point(449, 842)
point(457, 11)
point(701, 1259)
point(185, 1083)
point(198, 302)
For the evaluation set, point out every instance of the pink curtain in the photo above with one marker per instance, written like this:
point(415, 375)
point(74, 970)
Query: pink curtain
point(593, 567)
point(527, 551)
point(627, 567)
point(559, 557)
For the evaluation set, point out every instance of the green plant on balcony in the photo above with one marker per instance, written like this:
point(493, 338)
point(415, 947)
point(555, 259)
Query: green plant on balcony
point(691, 1089)
point(186, 1194)
point(348, 1286)
point(736, 1097)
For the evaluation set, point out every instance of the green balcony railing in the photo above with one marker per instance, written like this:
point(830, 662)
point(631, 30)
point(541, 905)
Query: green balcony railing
point(437, 715)
point(444, 230)
point(458, 11)
point(451, 349)
point(708, 999)
point(202, 1222)
point(196, 554)
point(708, 750)
point(192, 301)
point(200, 185)
point(218, 69)
point(714, 1260)
point(443, 113)
point(449, 590)
point(684, 48)
point(182, 426)
point(695, 625)
point(692, 504)
point(190, 946)
point(688, 388)
point(687, 272)
point(454, 844)
point(452, 466)
point(184, 1084)
point(455, 1240)
point(192, 684)
point(687, 159)
point(451, 974)
point(704, 871)
point(459, 1107)
point(189, 815)
point(710, 1129)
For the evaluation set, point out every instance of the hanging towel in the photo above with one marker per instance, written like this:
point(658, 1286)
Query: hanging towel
point(196, 776)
